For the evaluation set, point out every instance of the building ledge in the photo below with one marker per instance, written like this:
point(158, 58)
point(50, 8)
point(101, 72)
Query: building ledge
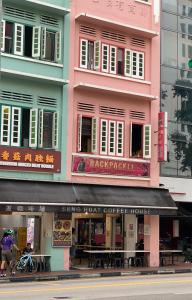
point(37, 77)
point(44, 5)
point(116, 25)
point(109, 90)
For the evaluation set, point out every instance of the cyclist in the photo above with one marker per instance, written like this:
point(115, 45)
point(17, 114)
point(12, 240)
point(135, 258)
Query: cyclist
point(7, 244)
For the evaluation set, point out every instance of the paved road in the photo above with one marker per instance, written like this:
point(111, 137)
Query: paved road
point(157, 287)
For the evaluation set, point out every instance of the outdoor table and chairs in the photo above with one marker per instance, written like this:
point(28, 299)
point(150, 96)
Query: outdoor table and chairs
point(115, 258)
point(168, 256)
point(43, 261)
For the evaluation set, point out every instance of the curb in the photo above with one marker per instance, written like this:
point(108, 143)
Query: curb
point(92, 275)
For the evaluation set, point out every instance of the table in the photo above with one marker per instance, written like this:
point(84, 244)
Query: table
point(44, 262)
point(106, 256)
point(171, 252)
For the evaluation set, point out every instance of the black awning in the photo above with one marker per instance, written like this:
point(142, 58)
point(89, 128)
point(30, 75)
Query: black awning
point(155, 200)
point(184, 209)
point(86, 197)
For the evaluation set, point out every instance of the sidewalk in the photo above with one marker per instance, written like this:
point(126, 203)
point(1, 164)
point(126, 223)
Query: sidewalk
point(95, 273)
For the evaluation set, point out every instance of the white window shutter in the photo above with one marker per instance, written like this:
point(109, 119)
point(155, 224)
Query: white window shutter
point(130, 140)
point(5, 124)
point(58, 46)
point(79, 124)
point(147, 141)
point(2, 35)
point(141, 65)
point(134, 64)
point(94, 136)
point(128, 63)
point(105, 58)
point(43, 41)
point(120, 139)
point(55, 130)
point(112, 137)
point(40, 133)
point(33, 128)
point(15, 126)
point(36, 41)
point(83, 53)
point(97, 47)
point(113, 60)
point(18, 39)
point(103, 136)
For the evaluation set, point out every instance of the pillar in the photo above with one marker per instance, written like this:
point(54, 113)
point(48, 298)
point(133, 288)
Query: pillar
point(130, 233)
point(151, 239)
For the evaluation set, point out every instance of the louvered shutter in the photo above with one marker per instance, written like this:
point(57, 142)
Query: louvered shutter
point(147, 141)
point(33, 128)
point(55, 130)
point(18, 39)
point(130, 140)
point(43, 41)
point(94, 136)
point(2, 35)
point(113, 60)
point(5, 124)
point(36, 42)
point(128, 63)
point(120, 139)
point(58, 46)
point(79, 129)
point(97, 46)
point(105, 58)
point(15, 126)
point(40, 133)
point(103, 137)
point(83, 53)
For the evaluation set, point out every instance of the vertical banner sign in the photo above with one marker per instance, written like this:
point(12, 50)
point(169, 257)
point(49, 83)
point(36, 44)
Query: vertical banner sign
point(162, 136)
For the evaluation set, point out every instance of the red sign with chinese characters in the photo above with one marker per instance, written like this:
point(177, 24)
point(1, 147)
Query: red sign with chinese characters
point(94, 165)
point(162, 136)
point(19, 159)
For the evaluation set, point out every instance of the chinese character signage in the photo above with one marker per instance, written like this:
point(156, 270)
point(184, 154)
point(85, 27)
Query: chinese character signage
point(18, 159)
point(62, 230)
point(94, 165)
point(162, 136)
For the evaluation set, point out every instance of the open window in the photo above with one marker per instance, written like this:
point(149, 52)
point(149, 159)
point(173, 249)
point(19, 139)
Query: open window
point(87, 134)
point(140, 141)
point(8, 38)
point(89, 54)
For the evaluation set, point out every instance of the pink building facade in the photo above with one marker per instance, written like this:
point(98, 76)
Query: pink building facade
point(113, 122)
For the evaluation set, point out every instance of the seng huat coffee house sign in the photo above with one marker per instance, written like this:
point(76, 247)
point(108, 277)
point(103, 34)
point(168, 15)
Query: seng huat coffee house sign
point(19, 159)
point(94, 165)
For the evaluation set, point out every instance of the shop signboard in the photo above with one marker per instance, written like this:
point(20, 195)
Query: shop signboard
point(69, 209)
point(26, 159)
point(62, 230)
point(162, 137)
point(93, 165)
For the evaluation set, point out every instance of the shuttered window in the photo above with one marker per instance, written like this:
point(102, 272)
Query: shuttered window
point(18, 41)
point(2, 35)
point(5, 125)
point(15, 126)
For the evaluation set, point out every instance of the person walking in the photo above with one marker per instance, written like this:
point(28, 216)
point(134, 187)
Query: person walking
point(7, 244)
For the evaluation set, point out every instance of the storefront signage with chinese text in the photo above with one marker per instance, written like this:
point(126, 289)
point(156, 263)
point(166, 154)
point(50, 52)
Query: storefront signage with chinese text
point(94, 165)
point(19, 159)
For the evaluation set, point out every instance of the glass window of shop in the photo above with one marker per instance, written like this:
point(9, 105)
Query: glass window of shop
point(91, 231)
point(176, 85)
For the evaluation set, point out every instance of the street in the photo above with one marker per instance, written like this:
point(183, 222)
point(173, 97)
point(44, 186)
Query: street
point(157, 287)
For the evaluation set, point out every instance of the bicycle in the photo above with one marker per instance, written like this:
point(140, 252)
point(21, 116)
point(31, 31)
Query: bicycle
point(26, 263)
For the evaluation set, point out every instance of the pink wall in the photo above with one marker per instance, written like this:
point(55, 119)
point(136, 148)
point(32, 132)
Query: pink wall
point(131, 14)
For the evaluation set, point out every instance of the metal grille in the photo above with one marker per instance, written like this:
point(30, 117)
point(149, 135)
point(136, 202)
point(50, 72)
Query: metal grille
point(18, 97)
point(112, 111)
point(19, 13)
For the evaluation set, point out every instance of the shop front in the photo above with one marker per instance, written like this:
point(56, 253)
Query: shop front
point(104, 216)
